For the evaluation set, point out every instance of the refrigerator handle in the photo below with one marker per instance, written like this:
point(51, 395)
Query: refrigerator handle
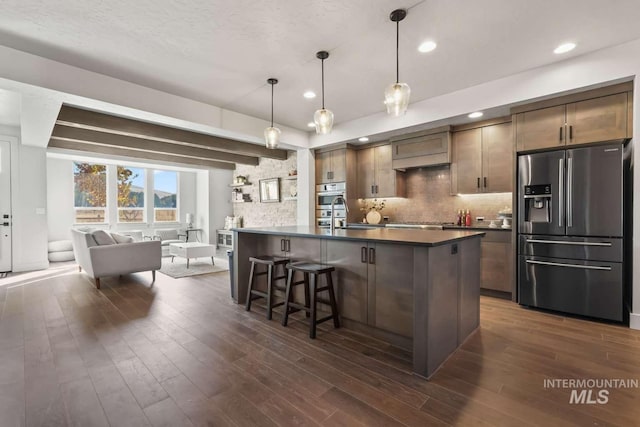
point(560, 191)
point(569, 192)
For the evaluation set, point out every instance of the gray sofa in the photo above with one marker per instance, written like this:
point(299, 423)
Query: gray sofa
point(106, 259)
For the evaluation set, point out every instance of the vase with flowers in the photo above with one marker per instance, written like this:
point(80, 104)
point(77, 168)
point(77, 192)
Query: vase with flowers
point(371, 210)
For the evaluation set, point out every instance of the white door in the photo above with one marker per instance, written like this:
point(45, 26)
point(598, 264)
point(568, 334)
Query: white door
point(5, 206)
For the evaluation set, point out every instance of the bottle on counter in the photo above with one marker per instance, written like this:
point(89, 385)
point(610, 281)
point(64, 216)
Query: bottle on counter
point(459, 218)
point(468, 219)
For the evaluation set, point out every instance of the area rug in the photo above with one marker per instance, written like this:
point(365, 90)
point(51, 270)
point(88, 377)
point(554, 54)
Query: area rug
point(197, 266)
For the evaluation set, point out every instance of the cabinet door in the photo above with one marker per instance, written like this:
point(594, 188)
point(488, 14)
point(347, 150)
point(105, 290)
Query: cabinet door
point(339, 165)
point(323, 167)
point(542, 128)
point(350, 277)
point(496, 261)
point(385, 176)
point(599, 119)
point(391, 288)
point(497, 158)
point(466, 162)
point(366, 173)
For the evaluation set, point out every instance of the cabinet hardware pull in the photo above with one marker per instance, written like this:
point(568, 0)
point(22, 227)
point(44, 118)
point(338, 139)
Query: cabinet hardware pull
point(570, 132)
point(376, 188)
point(562, 242)
point(372, 256)
point(373, 191)
point(559, 264)
point(561, 133)
point(485, 182)
point(287, 245)
point(478, 182)
point(282, 245)
point(363, 254)
point(569, 192)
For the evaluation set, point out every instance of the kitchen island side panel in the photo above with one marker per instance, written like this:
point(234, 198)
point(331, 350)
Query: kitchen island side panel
point(468, 288)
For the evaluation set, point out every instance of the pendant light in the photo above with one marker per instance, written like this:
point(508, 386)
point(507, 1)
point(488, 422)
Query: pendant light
point(323, 118)
point(271, 134)
point(396, 96)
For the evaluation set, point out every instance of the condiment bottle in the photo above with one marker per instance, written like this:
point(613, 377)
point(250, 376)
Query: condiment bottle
point(459, 219)
point(468, 219)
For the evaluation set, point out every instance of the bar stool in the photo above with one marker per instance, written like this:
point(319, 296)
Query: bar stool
point(311, 273)
point(272, 262)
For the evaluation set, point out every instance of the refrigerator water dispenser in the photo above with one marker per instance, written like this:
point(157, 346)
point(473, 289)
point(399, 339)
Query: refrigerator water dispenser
point(537, 203)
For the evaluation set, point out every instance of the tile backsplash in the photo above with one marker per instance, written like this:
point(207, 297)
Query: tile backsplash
point(429, 199)
point(256, 214)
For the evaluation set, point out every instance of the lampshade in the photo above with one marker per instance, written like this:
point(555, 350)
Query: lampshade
point(396, 98)
point(272, 137)
point(323, 120)
point(189, 219)
point(396, 95)
point(272, 134)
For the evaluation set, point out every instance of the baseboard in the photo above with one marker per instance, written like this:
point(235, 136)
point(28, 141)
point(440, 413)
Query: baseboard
point(634, 320)
point(32, 266)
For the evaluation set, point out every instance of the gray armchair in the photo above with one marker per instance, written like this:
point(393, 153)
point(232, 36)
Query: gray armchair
point(168, 236)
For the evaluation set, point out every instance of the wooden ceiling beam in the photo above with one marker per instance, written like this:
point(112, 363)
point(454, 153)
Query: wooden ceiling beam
point(76, 117)
point(143, 144)
point(145, 155)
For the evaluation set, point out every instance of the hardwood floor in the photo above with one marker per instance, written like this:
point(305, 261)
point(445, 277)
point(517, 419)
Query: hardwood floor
point(181, 353)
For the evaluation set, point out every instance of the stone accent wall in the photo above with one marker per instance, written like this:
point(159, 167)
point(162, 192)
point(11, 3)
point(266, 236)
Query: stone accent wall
point(256, 214)
point(429, 199)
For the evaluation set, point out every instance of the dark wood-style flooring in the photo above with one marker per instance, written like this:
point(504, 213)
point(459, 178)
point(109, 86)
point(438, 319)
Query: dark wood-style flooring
point(181, 353)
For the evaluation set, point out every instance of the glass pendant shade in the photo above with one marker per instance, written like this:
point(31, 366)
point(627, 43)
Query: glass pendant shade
point(323, 120)
point(272, 134)
point(396, 98)
point(272, 137)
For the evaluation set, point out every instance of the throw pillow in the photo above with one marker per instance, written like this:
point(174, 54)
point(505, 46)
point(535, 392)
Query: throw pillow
point(103, 238)
point(121, 238)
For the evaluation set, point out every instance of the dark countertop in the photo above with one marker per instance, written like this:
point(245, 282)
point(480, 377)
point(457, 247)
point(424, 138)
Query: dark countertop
point(476, 227)
point(408, 236)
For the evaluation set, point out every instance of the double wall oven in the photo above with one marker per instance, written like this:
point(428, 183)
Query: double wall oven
point(325, 193)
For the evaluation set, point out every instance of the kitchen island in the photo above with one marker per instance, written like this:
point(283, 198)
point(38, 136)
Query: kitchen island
point(418, 289)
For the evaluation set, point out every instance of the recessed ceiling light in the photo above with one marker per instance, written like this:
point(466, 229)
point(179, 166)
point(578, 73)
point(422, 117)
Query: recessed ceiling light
point(427, 46)
point(311, 124)
point(476, 114)
point(564, 48)
point(309, 94)
point(363, 139)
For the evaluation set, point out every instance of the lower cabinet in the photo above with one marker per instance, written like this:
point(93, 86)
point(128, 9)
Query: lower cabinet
point(496, 261)
point(374, 284)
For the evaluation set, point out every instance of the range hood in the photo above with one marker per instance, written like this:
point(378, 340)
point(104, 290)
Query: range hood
point(421, 149)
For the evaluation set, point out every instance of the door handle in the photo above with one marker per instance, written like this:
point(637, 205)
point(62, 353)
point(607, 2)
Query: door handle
point(560, 191)
point(363, 254)
point(569, 192)
point(372, 255)
point(561, 133)
point(562, 242)
point(560, 264)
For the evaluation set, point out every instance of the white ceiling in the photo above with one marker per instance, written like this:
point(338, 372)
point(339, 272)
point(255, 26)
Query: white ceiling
point(222, 52)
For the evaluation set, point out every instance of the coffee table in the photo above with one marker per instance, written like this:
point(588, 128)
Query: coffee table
point(192, 250)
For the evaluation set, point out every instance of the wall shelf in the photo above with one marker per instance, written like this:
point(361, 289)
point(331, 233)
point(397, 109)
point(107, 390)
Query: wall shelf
point(290, 177)
point(246, 184)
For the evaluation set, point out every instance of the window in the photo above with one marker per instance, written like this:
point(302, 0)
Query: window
point(130, 194)
point(165, 192)
point(90, 193)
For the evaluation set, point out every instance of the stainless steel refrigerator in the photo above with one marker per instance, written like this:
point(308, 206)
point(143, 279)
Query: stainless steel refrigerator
point(570, 230)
